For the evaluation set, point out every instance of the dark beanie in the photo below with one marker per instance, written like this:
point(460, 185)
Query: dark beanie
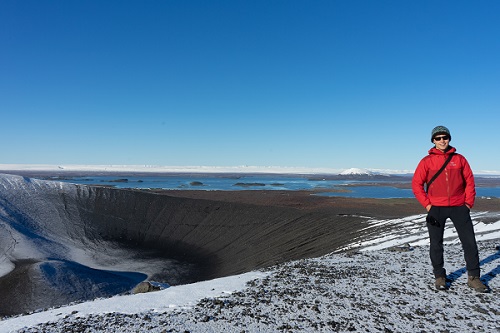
point(439, 130)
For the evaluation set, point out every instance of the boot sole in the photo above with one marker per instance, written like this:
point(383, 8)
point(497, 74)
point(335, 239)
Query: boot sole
point(480, 290)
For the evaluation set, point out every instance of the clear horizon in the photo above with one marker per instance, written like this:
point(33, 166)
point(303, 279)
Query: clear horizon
point(207, 169)
point(324, 84)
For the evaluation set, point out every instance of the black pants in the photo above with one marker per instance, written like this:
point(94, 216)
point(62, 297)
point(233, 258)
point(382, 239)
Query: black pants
point(460, 216)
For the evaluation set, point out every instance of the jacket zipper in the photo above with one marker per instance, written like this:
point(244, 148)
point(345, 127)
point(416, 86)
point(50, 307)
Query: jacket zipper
point(447, 183)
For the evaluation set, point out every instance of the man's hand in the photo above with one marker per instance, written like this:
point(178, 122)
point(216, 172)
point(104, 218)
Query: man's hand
point(428, 207)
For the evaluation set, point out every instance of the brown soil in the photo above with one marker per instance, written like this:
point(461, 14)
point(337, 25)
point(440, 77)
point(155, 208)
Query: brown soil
point(307, 200)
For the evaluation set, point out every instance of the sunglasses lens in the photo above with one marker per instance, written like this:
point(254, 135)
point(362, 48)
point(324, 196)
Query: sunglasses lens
point(439, 138)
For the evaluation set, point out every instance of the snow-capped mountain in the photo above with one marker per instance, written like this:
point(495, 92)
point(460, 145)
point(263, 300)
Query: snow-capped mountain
point(356, 172)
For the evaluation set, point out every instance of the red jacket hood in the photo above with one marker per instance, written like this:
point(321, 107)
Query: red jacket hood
point(436, 151)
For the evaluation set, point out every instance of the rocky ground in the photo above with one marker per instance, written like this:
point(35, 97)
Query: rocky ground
point(372, 291)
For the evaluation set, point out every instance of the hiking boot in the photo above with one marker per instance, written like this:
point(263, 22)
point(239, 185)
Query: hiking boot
point(440, 283)
point(475, 283)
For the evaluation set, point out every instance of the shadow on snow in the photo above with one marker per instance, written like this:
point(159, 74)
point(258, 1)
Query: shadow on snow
point(486, 278)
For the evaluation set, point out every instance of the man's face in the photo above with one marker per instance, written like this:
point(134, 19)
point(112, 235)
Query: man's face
point(442, 141)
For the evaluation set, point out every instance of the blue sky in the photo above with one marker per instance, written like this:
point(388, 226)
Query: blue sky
point(330, 84)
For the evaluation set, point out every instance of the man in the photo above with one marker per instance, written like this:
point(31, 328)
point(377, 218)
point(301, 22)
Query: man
point(450, 195)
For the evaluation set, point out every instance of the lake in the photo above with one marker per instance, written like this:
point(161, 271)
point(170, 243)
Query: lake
point(345, 187)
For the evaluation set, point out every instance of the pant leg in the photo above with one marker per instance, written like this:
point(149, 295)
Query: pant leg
point(436, 241)
point(463, 224)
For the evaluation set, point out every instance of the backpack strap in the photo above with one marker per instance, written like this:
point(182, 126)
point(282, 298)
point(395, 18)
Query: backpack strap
point(439, 171)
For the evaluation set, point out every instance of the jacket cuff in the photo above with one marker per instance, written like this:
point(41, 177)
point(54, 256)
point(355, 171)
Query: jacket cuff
point(426, 203)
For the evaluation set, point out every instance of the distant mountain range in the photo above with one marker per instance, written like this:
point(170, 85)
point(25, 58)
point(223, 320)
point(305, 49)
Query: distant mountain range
point(34, 169)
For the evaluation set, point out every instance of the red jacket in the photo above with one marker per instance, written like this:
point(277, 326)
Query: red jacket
point(453, 187)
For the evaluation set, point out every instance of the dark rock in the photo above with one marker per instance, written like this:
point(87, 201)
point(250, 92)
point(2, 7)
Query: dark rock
point(145, 287)
point(401, 248)
point(249, 184)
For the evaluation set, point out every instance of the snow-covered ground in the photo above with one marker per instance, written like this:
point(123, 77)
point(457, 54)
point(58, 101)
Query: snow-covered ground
point(377, 284)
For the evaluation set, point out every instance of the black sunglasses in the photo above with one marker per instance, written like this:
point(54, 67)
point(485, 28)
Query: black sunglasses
point(439, 138)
